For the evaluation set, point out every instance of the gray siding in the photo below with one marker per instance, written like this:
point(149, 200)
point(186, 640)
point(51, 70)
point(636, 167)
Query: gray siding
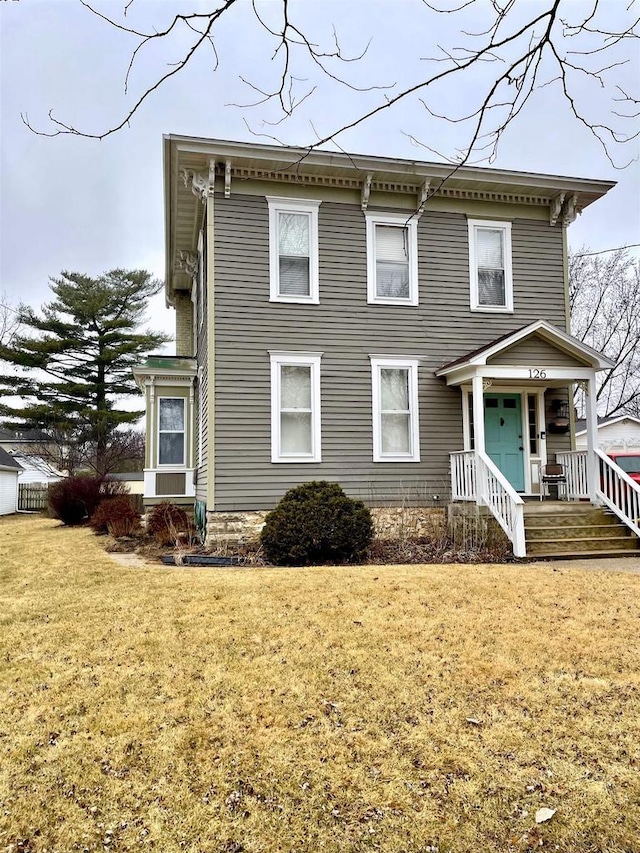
point(536, 352)
point(347, 330)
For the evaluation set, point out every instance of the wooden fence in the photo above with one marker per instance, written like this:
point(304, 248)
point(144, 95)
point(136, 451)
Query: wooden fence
point(32, 496)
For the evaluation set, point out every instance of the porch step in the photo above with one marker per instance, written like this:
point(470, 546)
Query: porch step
point(539, 532)
point(571, 530)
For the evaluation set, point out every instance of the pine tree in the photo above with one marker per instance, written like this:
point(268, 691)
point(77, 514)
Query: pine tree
point(74, 360)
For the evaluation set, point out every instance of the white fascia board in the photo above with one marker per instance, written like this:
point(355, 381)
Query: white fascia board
point(356, 163)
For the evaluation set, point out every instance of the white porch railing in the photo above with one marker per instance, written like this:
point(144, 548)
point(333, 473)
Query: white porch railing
point(463, 475)
point(575, 466)
point(619, 492)
point(475, 477)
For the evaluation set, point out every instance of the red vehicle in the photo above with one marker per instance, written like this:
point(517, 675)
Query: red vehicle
point(629, 462)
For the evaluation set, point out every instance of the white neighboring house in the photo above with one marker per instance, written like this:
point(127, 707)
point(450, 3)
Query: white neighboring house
point(9, 470)
point(621, 434)
point(26, 447)
point(35, 469)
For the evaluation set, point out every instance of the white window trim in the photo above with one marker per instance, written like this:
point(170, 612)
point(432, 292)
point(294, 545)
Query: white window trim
point(505, 227)
point(410, 364)
point(179, 466)
point(278, 204)
point(307, 359)
point(411, 224)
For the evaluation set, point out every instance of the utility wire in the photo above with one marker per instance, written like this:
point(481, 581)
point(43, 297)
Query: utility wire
point(605, 251)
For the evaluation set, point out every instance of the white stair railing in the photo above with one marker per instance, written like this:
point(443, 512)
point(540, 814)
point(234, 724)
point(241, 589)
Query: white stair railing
point(506, 505)
point(575, 466)
point(463, 475)
point(619, 492)
point(475, 477)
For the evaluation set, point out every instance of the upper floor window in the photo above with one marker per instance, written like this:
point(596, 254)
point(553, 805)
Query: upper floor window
point(490, 265)
point(293, 250)
point(171, 431)
point(295, 407)
point(392, 259)
point(396, 436)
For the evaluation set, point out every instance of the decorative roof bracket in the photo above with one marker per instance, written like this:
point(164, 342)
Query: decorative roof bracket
point(366, 191)
point(187, 262)
point(227, 179)
point(555, 208)
point(570, 210)
point(422, 198)
point(201, 184)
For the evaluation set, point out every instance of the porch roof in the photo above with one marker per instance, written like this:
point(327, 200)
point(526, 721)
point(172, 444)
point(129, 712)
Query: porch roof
point(478, 360)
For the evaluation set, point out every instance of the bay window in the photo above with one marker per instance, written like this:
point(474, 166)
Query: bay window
point(171, 431)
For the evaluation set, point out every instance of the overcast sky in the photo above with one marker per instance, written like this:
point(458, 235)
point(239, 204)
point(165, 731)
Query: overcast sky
point(81, 204)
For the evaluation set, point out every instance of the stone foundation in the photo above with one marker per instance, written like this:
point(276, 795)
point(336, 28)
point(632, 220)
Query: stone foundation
point(234, 528)
point(243, 528)
point(471, 525)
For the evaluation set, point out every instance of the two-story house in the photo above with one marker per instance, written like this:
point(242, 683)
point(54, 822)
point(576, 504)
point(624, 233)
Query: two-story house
point(377, 322)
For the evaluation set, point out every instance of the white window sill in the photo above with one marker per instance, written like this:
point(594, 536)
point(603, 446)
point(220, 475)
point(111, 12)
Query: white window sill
point(382, 300)
point(295, 300)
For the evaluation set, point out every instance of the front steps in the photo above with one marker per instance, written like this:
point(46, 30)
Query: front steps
point(571, 529)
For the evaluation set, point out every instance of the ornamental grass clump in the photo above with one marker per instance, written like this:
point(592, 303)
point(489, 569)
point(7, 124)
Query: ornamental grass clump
point(169, 523)
point(116, 516)
point(317, 523)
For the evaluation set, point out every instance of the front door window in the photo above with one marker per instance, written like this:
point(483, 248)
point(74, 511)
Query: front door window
point(503, 436)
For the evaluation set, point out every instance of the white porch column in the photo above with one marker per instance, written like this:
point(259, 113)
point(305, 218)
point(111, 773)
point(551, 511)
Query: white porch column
point(592, 435)
point(478, 422)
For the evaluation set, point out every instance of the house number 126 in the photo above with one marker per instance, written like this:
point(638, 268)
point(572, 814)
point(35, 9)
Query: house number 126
point(537, 373)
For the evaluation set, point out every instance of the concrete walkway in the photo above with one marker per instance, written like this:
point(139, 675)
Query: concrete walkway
point(631, 565)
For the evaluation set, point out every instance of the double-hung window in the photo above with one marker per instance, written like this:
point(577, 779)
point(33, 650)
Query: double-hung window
point(396, 436)
point(392, 259)
point(293, 250)
point(171, 431)
point(295, 407)
point(490, 265)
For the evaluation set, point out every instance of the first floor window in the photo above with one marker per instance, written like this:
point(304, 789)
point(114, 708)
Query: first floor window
point(490, 265)
point(171, 431)
point(395, 410)
point(295, 407)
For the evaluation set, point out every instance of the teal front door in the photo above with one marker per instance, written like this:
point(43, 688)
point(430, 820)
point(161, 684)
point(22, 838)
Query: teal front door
point(503, 435)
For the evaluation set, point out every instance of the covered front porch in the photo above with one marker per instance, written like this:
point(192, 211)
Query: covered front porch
point(516, 395)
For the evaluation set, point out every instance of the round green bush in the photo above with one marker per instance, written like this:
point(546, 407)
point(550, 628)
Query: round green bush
point(317, 523)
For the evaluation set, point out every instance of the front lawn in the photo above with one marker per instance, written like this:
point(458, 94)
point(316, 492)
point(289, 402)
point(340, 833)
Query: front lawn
point(402, 709)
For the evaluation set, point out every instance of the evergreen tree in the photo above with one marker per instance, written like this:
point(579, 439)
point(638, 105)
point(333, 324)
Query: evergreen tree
point(74, 360)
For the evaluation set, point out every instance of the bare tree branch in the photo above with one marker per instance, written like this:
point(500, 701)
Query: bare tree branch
point(556, 33)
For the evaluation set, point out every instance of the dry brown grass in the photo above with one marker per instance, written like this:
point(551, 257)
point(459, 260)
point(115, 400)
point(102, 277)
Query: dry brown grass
point(312, 710)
